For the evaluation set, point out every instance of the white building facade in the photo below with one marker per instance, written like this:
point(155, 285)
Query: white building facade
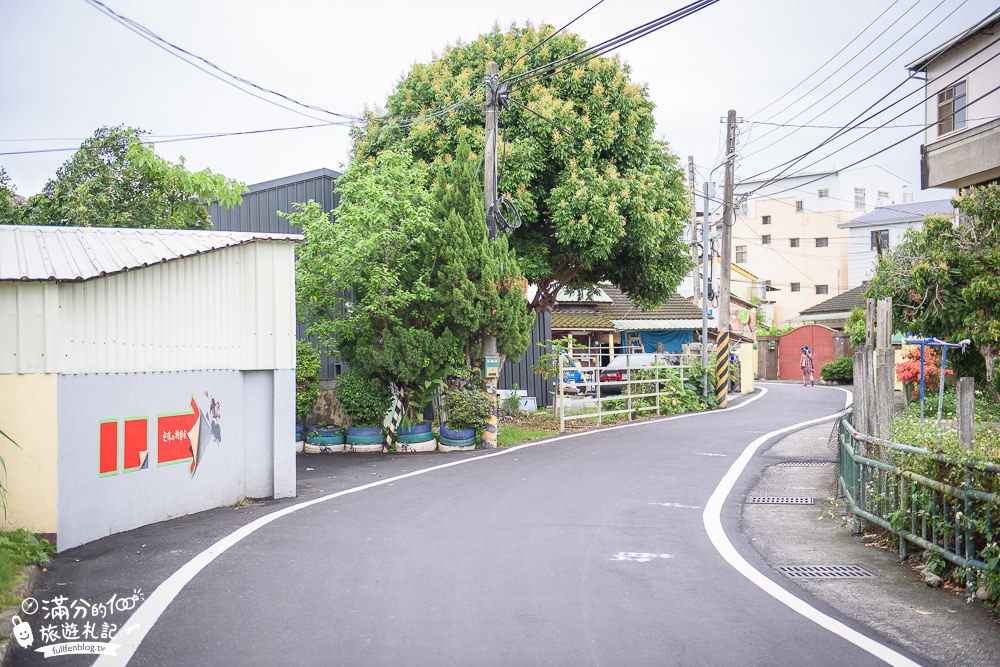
point(790, 234)
point(883, 229)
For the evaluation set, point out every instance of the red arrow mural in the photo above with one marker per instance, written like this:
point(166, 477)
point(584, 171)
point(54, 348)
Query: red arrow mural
point(177, 436)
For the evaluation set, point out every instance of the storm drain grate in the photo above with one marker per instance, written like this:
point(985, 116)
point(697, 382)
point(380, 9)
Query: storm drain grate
point(824, 571)
point(779, 500)
point(805, 464)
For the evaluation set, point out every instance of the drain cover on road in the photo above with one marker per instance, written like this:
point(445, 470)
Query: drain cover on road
point(824, 571)
point(779, 500)
point(804, 464)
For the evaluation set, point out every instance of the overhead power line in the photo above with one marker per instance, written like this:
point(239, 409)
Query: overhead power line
point(920, 102)
point(585, 55)
point(880, 151)
point(544, 41)
point(830, 60)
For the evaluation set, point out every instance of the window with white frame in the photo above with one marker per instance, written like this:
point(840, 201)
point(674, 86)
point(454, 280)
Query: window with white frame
point(951, 108)
point(859, 198)
point(765, 239)
point(822, 242)
point(822, 289)
point(744, 209)
point(824, 193)
point(765, 220)
point(796, 287)
point(793, 243)
point(883, 194)
point(880, 240)
point(798, 206)
point(741, 254)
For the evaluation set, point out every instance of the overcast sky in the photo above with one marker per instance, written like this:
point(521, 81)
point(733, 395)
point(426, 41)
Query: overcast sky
point(68, 69)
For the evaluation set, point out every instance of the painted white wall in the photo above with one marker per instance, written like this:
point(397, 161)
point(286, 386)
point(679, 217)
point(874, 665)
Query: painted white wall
point(978, 82)
point(245, 453)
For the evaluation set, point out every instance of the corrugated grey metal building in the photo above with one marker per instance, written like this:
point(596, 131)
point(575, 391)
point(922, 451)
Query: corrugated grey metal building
point(258, 213)
point(519, 372)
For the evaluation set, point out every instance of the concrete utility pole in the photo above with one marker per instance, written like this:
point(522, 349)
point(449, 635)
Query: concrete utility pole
point(489, 200)
point(695, 297)
point(722, 342)
point(705, 259)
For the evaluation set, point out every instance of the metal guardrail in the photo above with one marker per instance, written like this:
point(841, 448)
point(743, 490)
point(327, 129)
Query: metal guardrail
point(911, 505)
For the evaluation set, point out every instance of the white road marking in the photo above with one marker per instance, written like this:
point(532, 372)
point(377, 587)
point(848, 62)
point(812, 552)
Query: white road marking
point(154, 606)
point(638, 556)
point(709, 454)
point(685, 507)
point(712, 518)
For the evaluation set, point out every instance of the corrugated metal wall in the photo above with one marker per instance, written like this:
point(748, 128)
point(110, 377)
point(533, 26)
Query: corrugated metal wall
point(519, 372)
point(258, 213)
point(228, 309)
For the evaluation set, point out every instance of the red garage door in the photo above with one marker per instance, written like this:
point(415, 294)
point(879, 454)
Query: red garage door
point(817, 337)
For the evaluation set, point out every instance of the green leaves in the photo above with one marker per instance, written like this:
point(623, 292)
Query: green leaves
point(945, 279)
point(114, 180)
point(600, 198)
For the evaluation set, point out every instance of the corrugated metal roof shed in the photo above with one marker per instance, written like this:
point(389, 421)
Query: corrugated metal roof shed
point(600, 315)
point(911, 212)
point(65, 254)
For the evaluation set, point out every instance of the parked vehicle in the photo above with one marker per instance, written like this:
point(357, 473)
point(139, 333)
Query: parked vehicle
point(614, 377)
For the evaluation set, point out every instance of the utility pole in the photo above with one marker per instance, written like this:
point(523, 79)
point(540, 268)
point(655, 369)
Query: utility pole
point(705, 259)
point(491, 361)
point(695, 298)
point(722, 342)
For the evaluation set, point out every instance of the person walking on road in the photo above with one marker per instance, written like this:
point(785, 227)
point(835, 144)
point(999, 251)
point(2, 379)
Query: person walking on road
point(808, 367)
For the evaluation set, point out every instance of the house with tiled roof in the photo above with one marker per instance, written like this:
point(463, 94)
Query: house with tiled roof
point(604, 317)
point(834, 311)
point(882, 229)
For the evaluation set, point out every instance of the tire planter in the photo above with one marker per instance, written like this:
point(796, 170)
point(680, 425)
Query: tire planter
point(418, 438)
point(326, 441)
point(298, 433)
point(365, 439)
point(453, 441)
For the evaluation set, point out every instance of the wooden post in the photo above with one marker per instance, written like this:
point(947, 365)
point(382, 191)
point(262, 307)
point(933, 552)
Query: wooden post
point(869, 323)
point(884, 371)
point(964, 399)
point(964, 405)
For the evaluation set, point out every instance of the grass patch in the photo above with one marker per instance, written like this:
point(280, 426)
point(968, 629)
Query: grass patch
point(19, 548)
point(515, 434)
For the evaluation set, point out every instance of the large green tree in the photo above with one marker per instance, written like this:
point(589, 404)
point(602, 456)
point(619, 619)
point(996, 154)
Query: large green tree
point(114, 180)
point(599, 196)
point(11, 203)
point(945, 278)
point(405, 284)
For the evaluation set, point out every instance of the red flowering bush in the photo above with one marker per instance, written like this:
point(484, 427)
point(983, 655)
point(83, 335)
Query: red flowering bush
point(908, 370)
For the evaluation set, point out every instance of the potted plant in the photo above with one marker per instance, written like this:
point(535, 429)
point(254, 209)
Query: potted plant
point(306, 386)
point(325, 438)
point(365, 400)
point(415, 434)
point(468, 410)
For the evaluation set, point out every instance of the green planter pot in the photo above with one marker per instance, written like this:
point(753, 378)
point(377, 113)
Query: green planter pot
point(417, 439)
point(365, 439)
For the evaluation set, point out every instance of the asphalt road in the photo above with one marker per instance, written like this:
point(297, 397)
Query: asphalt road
point(586, 551)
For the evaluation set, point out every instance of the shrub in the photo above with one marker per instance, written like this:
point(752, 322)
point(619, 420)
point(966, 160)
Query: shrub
point(306, 378)
point(840, 369)
point(467, 408)
point(366, 400)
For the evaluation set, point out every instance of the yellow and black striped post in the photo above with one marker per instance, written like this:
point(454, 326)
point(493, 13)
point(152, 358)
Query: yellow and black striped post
point(722, 369)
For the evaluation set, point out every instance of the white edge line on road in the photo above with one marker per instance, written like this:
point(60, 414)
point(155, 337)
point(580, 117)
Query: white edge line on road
point(712, 517)
point(154, 606)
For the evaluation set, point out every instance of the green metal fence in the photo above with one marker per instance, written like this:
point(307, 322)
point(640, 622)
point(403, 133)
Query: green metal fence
point(953, 522)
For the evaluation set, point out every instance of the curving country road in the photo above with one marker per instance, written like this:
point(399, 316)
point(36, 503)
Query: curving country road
point(589, 550)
